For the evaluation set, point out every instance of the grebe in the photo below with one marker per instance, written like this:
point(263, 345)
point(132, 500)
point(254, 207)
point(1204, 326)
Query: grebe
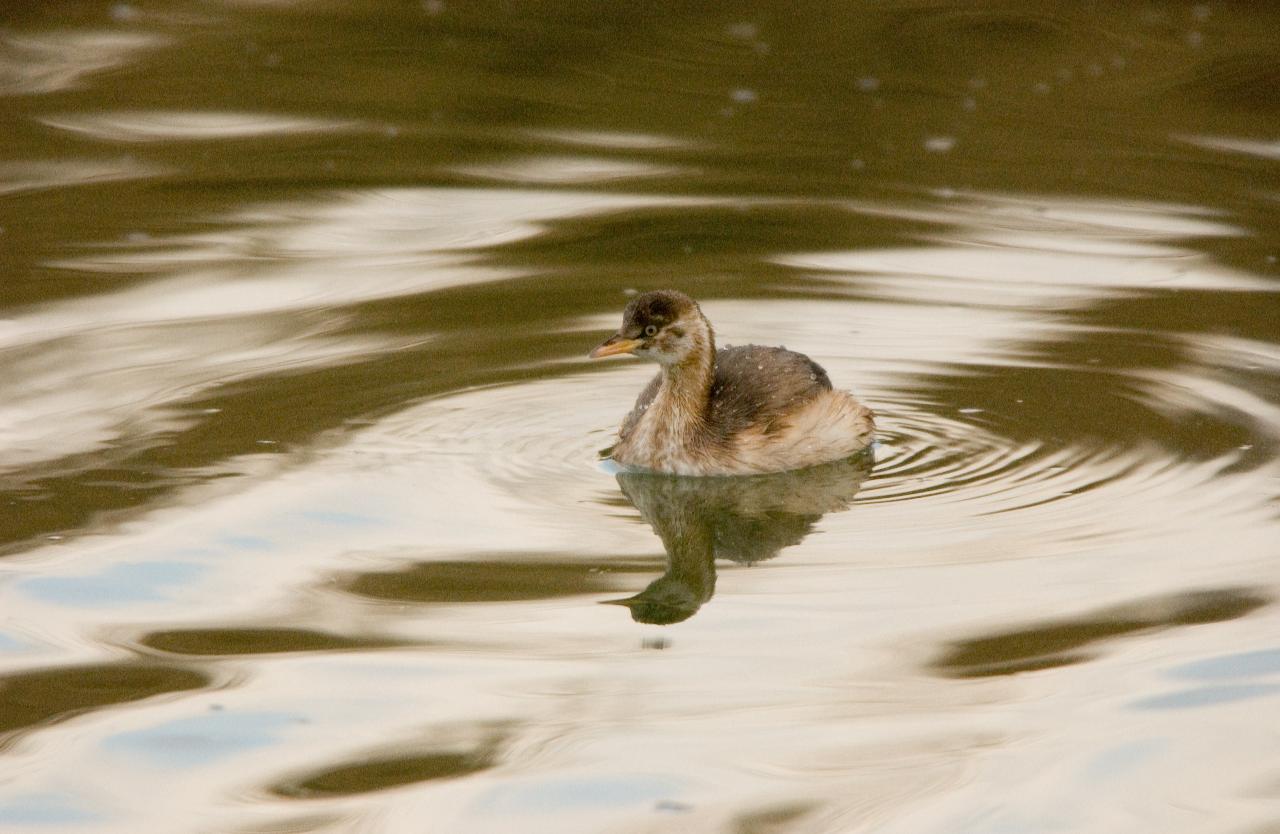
point(735, 411)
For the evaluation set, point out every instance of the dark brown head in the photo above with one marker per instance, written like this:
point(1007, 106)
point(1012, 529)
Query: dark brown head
point(665, 326)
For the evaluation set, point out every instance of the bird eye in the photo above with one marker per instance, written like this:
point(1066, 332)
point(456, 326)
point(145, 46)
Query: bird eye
point(651, 330)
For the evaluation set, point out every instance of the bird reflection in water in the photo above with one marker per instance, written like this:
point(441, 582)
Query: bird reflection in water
point(745, 519)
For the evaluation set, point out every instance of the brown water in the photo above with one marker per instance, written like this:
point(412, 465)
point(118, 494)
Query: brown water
point(302, 521)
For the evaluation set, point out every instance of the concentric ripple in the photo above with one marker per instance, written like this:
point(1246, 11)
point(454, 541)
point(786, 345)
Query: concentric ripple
point(538, 443)
point(923, 453)
point(1080, 447)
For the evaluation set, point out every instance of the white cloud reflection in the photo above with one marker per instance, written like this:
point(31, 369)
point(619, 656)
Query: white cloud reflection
point(45, 62)
point(111, 369)
point(34, 175)
point(1266, 149)
point(160, 125)
point(1037, 254)
point(571, 170)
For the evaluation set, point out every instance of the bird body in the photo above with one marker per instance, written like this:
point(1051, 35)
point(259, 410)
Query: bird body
point(735, 411)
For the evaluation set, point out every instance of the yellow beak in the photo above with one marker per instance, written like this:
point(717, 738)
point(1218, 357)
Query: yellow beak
point(615, 345)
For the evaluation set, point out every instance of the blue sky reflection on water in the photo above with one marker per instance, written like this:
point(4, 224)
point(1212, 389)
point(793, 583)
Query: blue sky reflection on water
point(10, 644)
point(580, 793)
point(1240, 665)
point(120, 584)
point(1208, 696)
point(202, 739)
point(170, 575)
point(46, 810)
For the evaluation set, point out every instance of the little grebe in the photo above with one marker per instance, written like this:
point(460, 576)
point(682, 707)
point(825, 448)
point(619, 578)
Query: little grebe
point(734, 411)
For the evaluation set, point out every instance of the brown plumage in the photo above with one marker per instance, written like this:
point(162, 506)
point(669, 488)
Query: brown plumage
point(735, 411)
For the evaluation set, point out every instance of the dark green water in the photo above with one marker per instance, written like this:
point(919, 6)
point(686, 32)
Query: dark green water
point(302, 526)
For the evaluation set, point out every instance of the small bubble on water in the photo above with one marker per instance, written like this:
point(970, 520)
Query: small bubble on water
point(211, 411)
point(971, 411)
point(939, 144)
point(743, 95)
point(1041, 88)
point(630, 291)
point(137, 237)
point(266, 442)
point(55, 538)
point(124, 12)
point(1270, 259)
point(1246, 447)
point(868, 84)
point(759, 367)
point(744, 31)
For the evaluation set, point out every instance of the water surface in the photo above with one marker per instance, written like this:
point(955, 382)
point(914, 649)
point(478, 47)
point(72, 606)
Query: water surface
point(301, 510)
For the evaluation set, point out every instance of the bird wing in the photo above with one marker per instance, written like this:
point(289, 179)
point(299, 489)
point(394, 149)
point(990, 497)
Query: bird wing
point(760, 386)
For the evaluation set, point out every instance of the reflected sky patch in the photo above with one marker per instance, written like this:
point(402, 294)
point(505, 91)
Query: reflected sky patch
point(1207, 696)
point(202, 739)
point(117, 585)
point(1243, 665)
point(45, 809)
point(580, 793)
point(12, 645)
point(1124, 758)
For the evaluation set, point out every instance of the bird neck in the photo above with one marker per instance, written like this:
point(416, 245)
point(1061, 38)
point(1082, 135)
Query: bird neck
point(686, 385)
